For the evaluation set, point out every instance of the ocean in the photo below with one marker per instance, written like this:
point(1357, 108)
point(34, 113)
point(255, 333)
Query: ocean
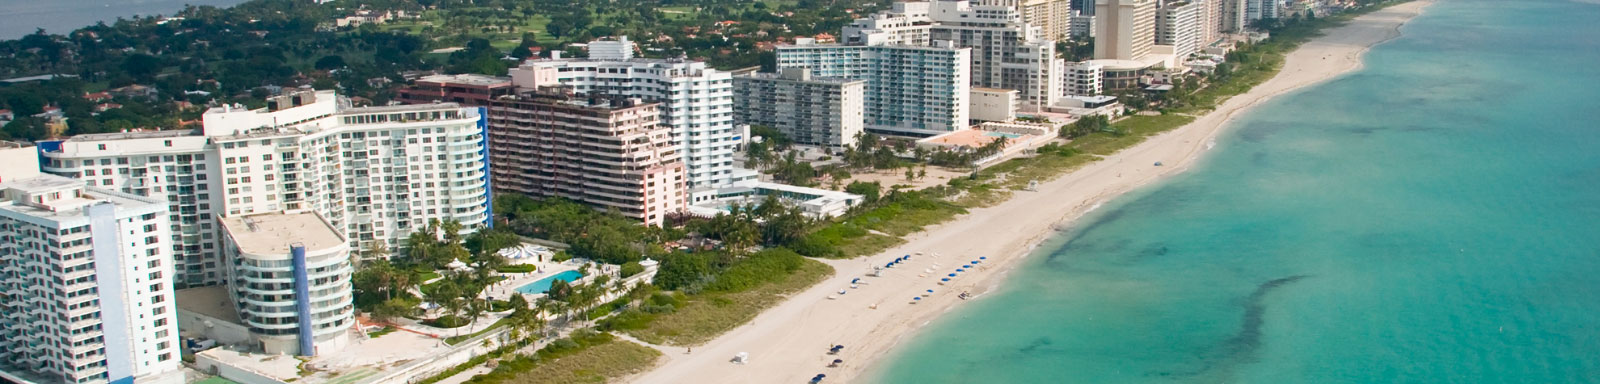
point(1431, 218)
point(19, 18)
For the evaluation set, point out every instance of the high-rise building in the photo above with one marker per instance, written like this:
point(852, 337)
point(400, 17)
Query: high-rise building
point(606, 152)
point(696, 102)
point(1233, 19)
point(1083, 78)
point(910, 90)
point(1210, 22)
point(290, 281)
point(86, 281)
point(1083, 26)
point(1052, 17)
point(1262, 9)
point(1178, 25)
point(826, 112)
point(1006, 51)
point(1126, 29)
point(376, 174)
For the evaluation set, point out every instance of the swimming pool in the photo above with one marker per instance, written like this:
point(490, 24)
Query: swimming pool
point(1002, 134)
point(543, 285)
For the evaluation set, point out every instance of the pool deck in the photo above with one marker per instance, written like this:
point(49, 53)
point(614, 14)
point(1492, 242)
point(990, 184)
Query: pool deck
point(505, 288)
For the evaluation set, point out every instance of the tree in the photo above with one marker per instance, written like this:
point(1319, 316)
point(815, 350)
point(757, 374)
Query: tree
point(330, 62)
point(870, 190)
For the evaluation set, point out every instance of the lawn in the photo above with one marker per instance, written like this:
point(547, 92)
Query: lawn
point(708, 315)
point(595, 364)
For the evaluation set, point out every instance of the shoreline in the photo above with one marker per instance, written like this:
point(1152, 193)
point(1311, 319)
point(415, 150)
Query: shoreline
point(788, 342)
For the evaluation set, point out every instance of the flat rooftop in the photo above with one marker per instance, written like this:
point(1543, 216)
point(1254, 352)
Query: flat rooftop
point(272, 233)
point(70, 206)
point(212, 301)
point(466, 79)
point(134, 135)
point(992, 90)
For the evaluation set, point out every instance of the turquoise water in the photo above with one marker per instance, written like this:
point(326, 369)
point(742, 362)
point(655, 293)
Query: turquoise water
point(1433, 218)
point(1002, 134)
point(543, 285)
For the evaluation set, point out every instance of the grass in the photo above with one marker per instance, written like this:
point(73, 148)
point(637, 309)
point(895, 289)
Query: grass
point(707, 315)
point(386, 330)
point(595, 364)
point(518, 268)
point(452, 340)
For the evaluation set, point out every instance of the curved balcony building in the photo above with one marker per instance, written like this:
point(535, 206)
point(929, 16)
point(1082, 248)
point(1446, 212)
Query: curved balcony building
point(290, 281)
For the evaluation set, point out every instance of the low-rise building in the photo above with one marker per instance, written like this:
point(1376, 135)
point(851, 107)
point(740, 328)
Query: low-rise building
point(824, 112)
point(816, 203)
point(994, 104)
point(465, 89)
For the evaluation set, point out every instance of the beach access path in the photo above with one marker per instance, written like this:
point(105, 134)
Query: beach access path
point(788, 343)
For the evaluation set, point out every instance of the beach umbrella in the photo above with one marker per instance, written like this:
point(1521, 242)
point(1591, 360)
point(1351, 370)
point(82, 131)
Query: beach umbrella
point(930, 291)
point(952, 275)
point(983, 258)
point(945, 279)
point(961, 269)
point(918, 298)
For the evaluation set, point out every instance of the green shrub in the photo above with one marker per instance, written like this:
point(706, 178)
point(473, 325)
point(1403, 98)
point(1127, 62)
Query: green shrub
point(518, 268)
point(631, 268)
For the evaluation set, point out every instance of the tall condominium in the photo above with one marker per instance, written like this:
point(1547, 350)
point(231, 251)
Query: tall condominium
point(1052, 17)
point(86, 281)
point(375, 173)
point(696, 102)
point(610, 153)
point(290, 282)
point(1178, 25)
point(1210, 22)
point(1232, 17)
point(1263, 9)
point(1006, 51)
point(825, 112)
point(1126, 29)
point(1084, 78)
point(910, 90)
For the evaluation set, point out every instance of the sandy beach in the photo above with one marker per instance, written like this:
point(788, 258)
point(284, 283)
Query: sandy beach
point(788, 343)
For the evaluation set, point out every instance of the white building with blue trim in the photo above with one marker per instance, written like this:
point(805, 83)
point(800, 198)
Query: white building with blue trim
point(86, 290)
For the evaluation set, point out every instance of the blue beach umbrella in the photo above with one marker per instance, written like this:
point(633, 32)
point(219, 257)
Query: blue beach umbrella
point(952, 275)
point(945, 279)
point(983, 258)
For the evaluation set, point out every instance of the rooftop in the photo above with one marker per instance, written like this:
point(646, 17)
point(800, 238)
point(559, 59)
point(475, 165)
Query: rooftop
point(133, 135)
point(70, 205)
point(273, 233)
point(992, 90)
point(466, 79)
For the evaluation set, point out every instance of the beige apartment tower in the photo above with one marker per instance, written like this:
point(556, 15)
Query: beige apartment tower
point(1126, 29)
point(604, 152)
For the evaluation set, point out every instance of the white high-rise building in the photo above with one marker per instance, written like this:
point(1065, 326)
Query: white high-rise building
point(911, 90)
point(86, 290)
point(1178, 25)
point(290, 281)
point(375, 173)
point(825, 112)
point(1006, 51)
point(1084, 78)
point(1126, 29)
point(696, 101)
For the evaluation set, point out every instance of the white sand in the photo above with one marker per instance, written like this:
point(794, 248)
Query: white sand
point(788, 343)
